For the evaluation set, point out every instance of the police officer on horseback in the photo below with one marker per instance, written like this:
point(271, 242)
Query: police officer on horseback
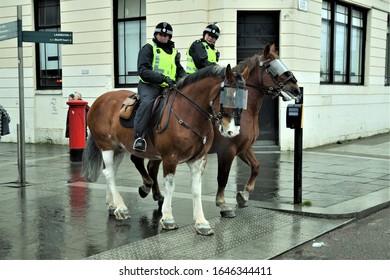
point(158, 68)
point(202, 52)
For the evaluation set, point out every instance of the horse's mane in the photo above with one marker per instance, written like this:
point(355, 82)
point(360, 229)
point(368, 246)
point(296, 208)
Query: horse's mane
point(210, 71)
point(250, 62)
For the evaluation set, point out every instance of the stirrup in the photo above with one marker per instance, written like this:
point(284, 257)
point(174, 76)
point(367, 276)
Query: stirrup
point(140, 144)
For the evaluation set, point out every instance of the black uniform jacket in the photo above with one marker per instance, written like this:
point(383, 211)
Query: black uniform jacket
point(199, 54)
point(145, 61)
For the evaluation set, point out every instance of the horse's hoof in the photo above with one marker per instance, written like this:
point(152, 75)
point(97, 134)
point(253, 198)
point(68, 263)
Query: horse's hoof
point(143, 191)
point(228, 214)
point(122, 214)
point(168, 224)
point(241, 200)
point(226, 211)
point(204, 229)
point(111, 211)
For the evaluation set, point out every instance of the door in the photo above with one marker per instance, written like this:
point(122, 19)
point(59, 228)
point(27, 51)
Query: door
point(255, 29)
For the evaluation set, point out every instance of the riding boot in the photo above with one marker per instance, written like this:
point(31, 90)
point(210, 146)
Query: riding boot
point(148, 94)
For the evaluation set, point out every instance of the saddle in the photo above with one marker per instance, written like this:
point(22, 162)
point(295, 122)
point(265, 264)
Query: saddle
point(130, 105)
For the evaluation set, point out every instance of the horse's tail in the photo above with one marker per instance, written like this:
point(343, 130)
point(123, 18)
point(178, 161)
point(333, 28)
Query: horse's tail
point(92, 161)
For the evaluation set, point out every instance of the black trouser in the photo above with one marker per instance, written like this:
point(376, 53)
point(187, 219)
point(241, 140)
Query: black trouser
point(147, 93)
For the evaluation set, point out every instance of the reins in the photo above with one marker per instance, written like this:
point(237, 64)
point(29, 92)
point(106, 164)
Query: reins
point(268, 90)
point(200, 109)
point(206, 114)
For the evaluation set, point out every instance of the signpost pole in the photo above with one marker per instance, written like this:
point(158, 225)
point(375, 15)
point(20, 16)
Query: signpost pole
point(11, 30)
point(22, 160)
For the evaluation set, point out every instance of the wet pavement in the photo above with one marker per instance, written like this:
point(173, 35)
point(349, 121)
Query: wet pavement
point(60, 216)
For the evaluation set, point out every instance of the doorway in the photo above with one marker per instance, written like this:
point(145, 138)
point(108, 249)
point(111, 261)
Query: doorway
point(255, 29)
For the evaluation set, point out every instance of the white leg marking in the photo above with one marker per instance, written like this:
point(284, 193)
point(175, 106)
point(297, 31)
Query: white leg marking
point(196, 169)
point(113, 196)
point(169, 184)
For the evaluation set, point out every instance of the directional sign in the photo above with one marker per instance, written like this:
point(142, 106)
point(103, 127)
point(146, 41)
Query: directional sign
point(51, 37)
point(8, 30)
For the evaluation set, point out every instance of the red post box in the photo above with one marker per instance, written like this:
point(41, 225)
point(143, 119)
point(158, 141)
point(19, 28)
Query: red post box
point(77, 128)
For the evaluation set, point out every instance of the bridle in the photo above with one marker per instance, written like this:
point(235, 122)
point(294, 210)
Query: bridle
point(214, 117)
point(280, 76)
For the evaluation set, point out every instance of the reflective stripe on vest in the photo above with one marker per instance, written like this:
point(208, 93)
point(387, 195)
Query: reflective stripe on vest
point(211, 56)
point(163, 63)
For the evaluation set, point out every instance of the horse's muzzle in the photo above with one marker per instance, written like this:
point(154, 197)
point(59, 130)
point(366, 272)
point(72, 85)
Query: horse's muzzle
point(229, 132)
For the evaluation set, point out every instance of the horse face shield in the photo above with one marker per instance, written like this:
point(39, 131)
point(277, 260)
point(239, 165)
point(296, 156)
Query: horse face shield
point(232, 101)
point(236, 99)
point(277, 69)
point(281, 76)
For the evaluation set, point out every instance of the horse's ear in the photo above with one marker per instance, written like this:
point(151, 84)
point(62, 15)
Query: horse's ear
point(266, 51)
point(228, 68)
point(245, 74)
point(228, 72)
point(273, 48)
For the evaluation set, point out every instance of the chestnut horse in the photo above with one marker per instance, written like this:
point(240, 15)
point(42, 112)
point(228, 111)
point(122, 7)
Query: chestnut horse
point(191, 112)
point(267, 75)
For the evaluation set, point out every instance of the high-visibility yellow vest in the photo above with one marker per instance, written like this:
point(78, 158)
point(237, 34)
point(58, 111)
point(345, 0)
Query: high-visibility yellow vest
point(163, 63)
point(211, 56)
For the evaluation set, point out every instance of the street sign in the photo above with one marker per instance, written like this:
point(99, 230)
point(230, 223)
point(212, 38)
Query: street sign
point(11, 30)
point(8, 30)
point(51, 37)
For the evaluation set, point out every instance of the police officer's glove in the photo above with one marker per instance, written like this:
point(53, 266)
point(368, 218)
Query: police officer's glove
point(169, 81)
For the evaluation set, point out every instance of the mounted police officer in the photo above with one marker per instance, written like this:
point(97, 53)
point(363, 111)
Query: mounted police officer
point(158, 67)
point(202, 52)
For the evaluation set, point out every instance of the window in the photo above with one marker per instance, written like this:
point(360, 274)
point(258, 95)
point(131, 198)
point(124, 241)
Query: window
point(387, 66)
point(342, 43)
point(48, 64)
point(130, 36)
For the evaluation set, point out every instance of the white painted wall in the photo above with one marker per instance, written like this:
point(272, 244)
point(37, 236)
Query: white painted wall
point(331, 113)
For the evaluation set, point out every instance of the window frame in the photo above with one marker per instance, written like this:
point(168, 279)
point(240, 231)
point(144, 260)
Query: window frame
point(331, 56)
point(141, 19)
point(45, 82)
point(387, 59)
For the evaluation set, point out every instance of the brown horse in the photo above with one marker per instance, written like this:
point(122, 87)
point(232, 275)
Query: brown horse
point(189, 116)
point(267, 75)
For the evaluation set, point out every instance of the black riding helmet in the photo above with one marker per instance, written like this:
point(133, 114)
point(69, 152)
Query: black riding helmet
point(212, 29)
point(164, 28)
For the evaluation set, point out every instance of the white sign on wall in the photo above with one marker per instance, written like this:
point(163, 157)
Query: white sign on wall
point(302, 5)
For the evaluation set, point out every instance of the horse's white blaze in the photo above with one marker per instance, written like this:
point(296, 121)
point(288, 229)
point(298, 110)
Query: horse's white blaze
point(169, 184)
point(196, 169)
